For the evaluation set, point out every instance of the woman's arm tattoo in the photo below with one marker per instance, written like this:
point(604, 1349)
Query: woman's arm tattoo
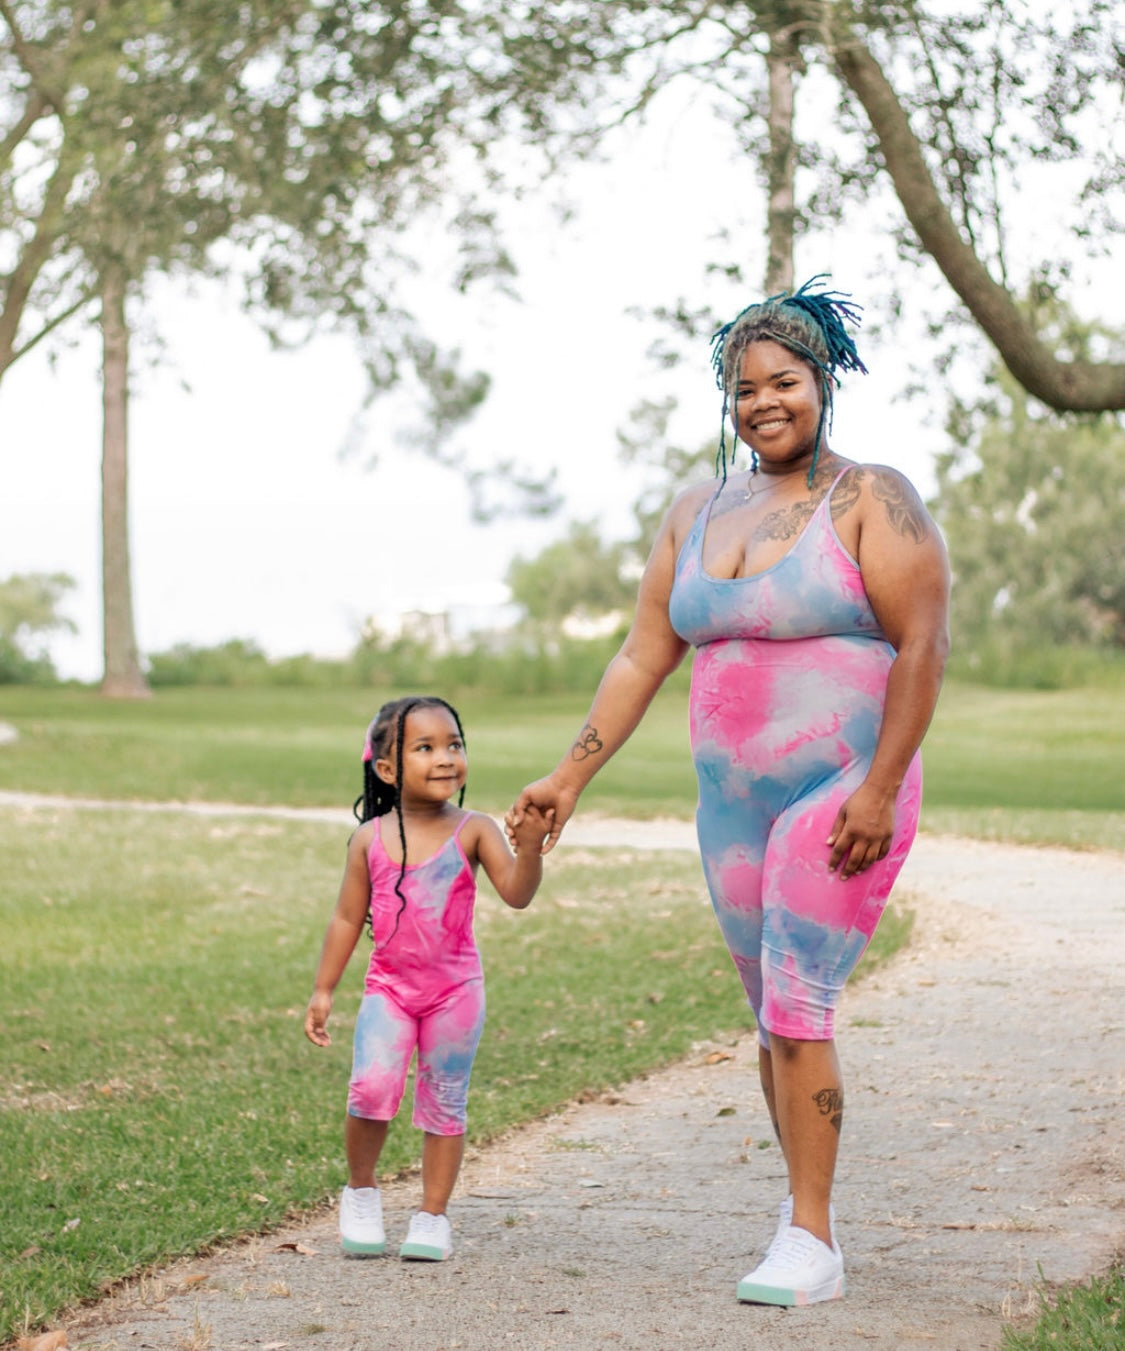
point(904, 510)
point(847, 493)
point(588, 743)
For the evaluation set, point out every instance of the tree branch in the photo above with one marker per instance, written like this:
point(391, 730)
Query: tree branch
point(50, 326)
point(30, 62)
point(37, 105)
point(22, 277)
point(1078, 386)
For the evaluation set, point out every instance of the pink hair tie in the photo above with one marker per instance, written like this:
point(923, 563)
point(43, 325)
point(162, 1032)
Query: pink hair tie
point(368, 753)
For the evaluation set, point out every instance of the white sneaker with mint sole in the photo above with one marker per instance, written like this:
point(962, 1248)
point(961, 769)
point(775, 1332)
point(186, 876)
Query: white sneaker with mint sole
point(361, 1222)
point(429, 1238)
point(798, 1269)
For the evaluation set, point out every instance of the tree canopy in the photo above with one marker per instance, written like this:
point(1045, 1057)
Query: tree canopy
point(1032, 506)
point(949, 106)
point(305, 134)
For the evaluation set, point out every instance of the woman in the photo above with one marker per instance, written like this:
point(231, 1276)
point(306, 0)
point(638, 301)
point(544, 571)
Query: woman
point(815, 592)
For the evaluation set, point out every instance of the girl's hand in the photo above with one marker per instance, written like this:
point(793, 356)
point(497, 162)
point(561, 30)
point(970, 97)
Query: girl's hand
point(532, 830)
point(316, 1019)
point(554, 805)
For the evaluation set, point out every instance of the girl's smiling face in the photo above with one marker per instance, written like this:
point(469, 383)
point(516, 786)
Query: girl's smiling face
point(777, 406)
point(434, 763)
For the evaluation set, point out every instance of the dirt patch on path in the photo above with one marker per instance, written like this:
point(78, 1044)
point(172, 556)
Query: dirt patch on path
point(983, 1142)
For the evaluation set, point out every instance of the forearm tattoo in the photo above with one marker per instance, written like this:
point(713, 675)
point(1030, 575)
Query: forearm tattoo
point(830, 1102)
point(904, 511)
point(588, 743)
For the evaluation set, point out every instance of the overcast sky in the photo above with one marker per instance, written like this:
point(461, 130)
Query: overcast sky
point(246, 520)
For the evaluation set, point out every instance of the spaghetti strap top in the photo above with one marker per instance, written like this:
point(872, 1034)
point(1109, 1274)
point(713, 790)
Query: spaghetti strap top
point(814, 590)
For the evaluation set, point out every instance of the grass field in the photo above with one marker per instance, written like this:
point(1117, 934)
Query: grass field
point(1024, 765)
point(157, 1095)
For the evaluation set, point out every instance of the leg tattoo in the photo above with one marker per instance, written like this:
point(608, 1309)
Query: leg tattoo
point(830, 1101)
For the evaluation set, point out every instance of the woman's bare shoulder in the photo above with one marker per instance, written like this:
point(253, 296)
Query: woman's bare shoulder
point(689, 502)
point(887, 492)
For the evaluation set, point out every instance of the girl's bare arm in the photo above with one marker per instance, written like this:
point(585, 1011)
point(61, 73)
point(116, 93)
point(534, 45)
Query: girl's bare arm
point(515, 877)
point(344, 929)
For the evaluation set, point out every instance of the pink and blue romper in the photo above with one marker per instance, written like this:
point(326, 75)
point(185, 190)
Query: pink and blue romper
point(424, 991)
point(789, 680)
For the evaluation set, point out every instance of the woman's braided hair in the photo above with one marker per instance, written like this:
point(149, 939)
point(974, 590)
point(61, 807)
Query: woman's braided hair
point(387, 734)
point(810, 322)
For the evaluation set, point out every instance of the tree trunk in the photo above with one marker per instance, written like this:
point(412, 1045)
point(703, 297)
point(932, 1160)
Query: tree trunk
point(782, 61)
point(123, 676)
point(1077, 386)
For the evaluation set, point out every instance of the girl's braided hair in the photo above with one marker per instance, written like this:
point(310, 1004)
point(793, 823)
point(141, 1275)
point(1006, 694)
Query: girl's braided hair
point(384, 741)
point(810, 322)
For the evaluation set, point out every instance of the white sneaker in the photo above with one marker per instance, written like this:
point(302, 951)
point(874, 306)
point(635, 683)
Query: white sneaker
point(429, 1238)
point(798, 1269)
point(361, 1221)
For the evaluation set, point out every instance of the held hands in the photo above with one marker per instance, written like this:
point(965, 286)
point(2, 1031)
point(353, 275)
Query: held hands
point(316, 1019)
point(861, 834)
point(551, 802)
point(530, 833)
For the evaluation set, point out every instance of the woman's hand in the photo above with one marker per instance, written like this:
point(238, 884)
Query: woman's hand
point(862, 832)
point(555, 804)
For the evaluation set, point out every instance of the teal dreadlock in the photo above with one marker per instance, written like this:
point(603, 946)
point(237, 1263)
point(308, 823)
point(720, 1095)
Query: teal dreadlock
point(811, 324)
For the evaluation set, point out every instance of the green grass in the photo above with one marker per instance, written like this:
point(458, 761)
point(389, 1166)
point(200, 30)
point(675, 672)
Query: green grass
point(1024, 765)
point(158, 1093)
point(302, 747)
point(1088, 1317)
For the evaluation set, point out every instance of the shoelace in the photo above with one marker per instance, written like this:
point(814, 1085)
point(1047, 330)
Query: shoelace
point(426, 1223)
point(791, 1248)
point(364, 1206)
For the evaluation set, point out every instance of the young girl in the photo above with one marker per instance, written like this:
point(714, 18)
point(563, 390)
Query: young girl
point(411, 874)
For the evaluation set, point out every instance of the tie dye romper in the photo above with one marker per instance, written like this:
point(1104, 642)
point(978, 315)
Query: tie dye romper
point(424, 990)
point(788, 685)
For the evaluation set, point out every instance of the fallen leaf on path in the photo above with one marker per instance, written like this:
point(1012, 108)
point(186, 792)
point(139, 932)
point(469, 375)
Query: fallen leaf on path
point(297, 1247)
point(47, 1341)
point(717, 1057)
point(197, 1279)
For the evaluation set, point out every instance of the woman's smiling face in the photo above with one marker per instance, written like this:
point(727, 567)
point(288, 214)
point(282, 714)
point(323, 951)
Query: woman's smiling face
point(777, 405)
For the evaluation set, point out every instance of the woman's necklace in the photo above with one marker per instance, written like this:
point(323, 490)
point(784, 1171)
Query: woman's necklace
point(752, 490)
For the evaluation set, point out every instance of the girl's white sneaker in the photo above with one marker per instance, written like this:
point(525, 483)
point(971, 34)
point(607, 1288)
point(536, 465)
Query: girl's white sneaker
point(361, 1222)
point(429, 1238)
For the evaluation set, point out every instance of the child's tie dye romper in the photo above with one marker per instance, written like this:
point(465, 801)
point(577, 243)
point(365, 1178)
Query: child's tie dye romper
point(787, 692)
point(424, 990)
